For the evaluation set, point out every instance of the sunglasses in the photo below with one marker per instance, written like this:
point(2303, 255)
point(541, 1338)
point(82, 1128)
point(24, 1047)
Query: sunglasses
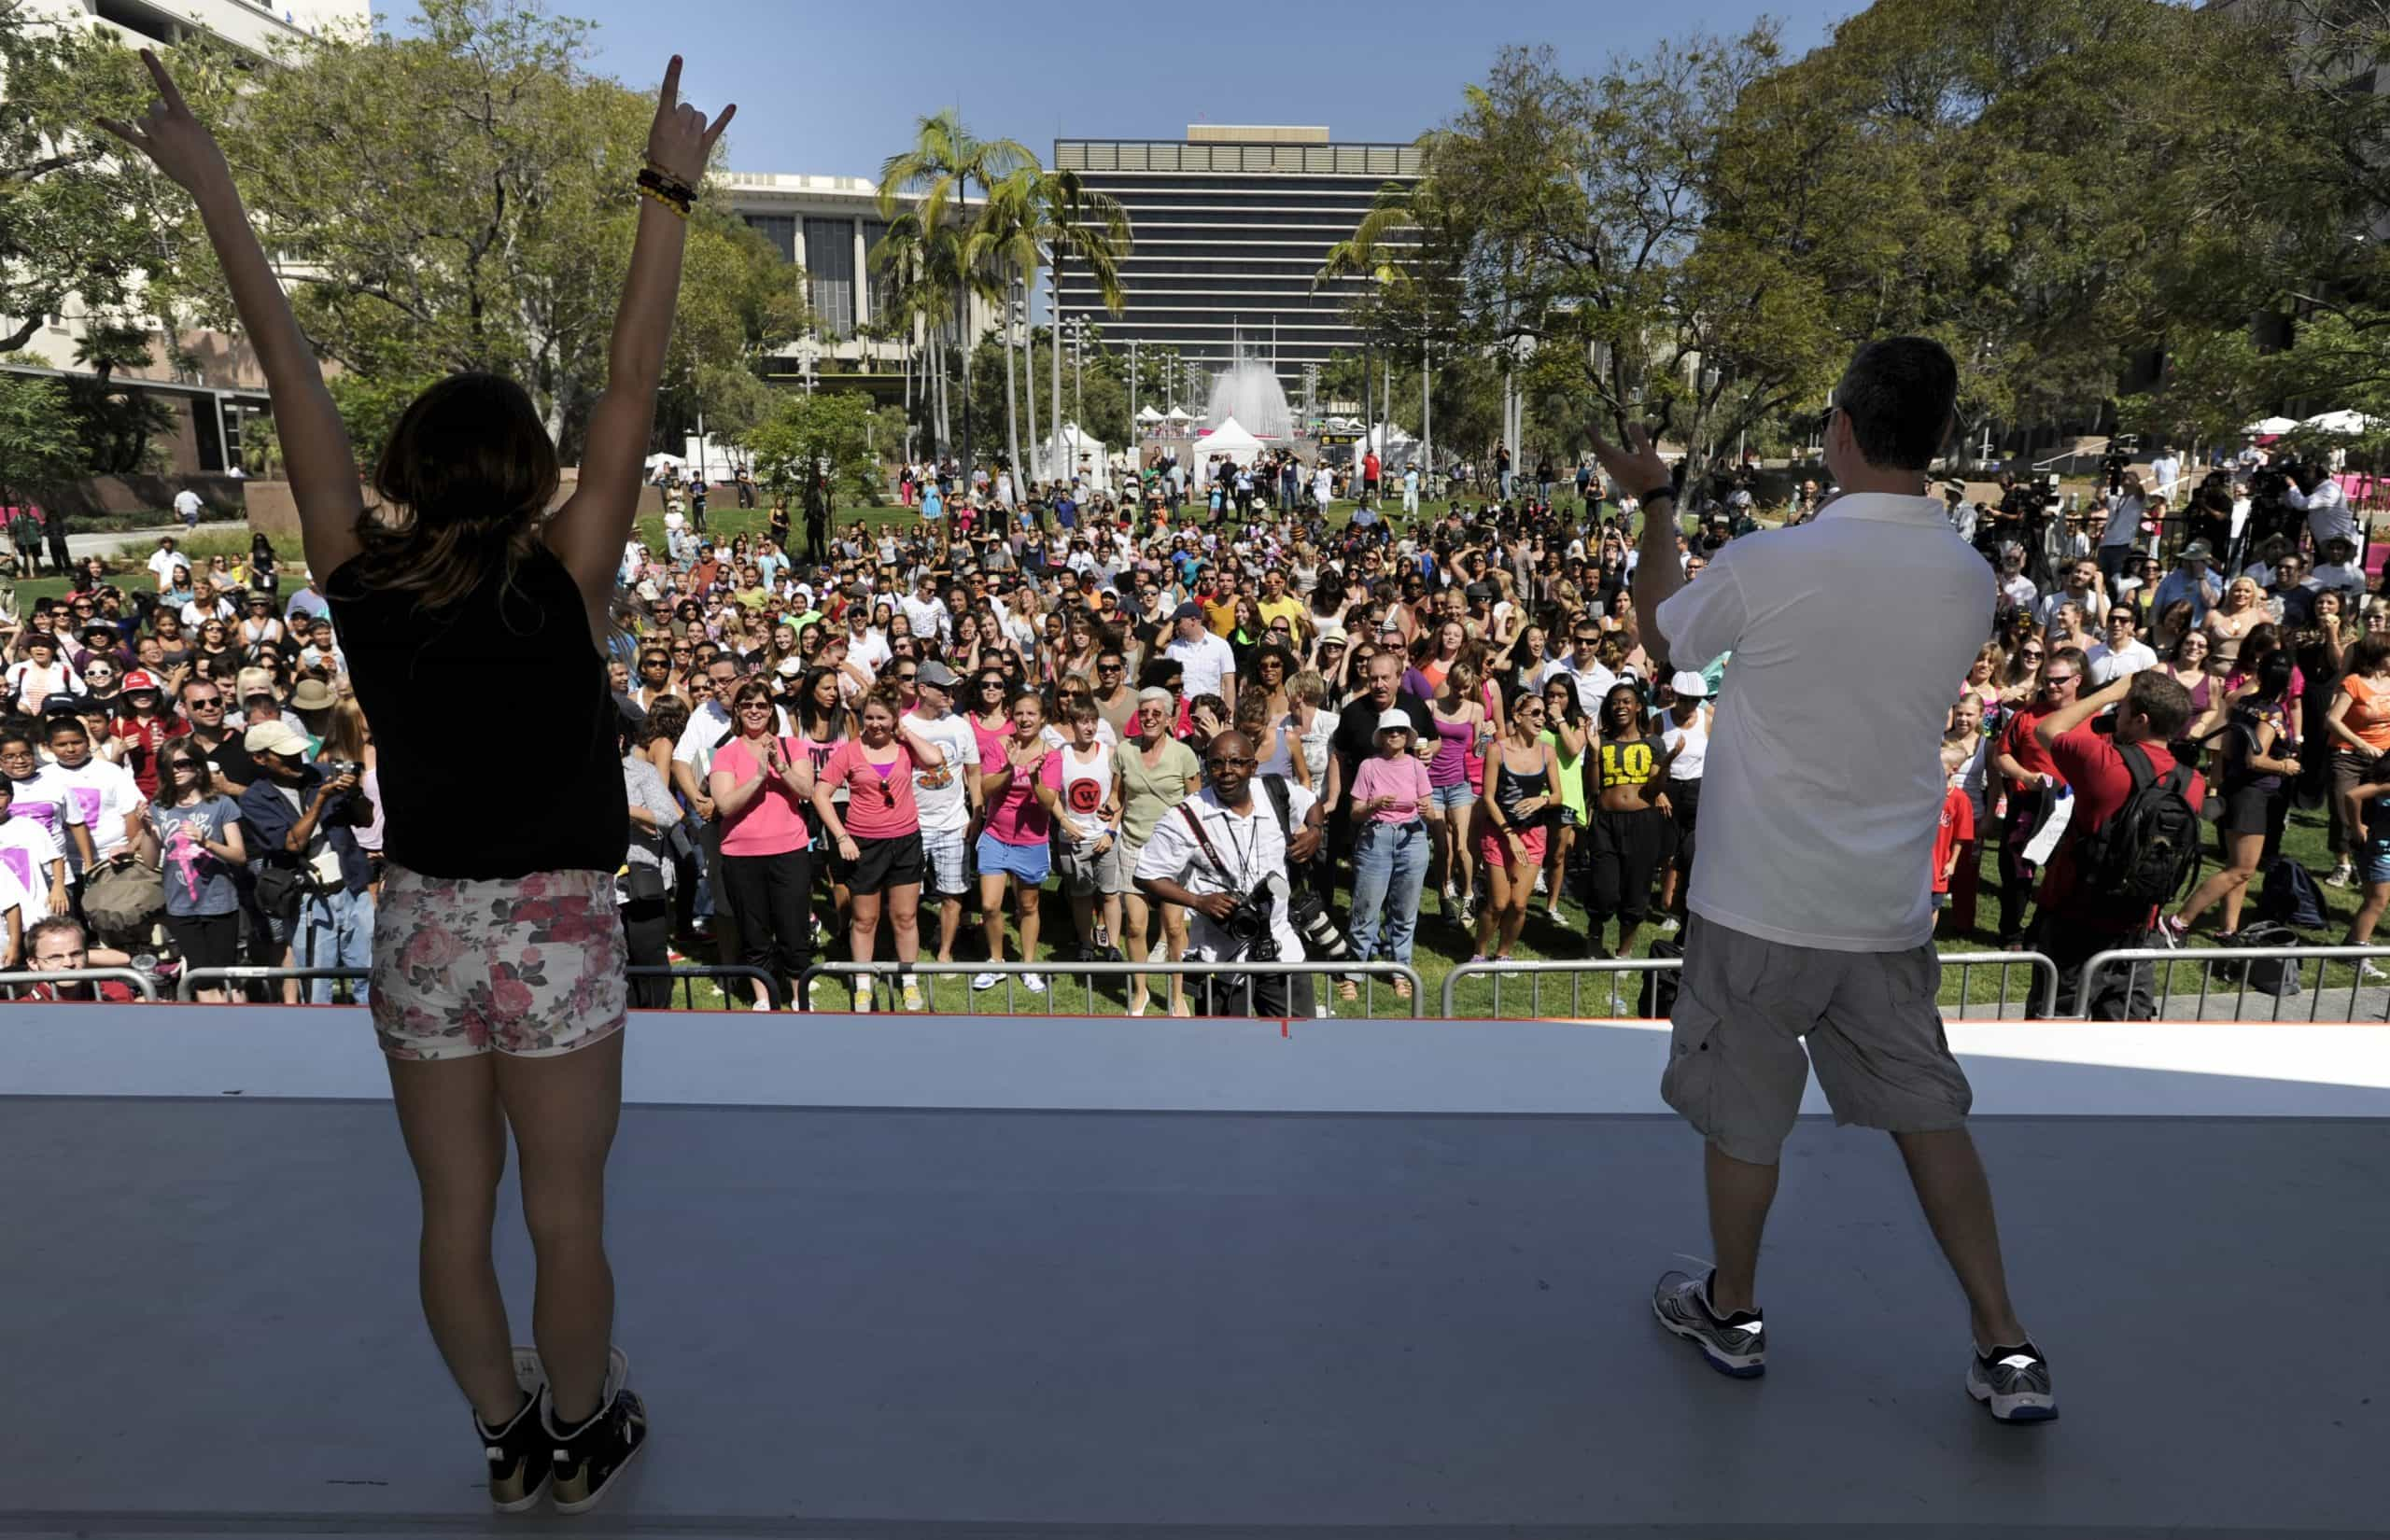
point(1229, 763)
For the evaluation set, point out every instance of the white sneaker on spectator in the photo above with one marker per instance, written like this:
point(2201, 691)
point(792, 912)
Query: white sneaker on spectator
point(2368, 972)
point(1542, 883)
point(1669, 926)
point(1032, 983)
point(984, 981)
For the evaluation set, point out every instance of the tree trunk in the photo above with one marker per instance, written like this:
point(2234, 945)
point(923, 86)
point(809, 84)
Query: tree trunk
point(1054, 344)
point(1012, 420)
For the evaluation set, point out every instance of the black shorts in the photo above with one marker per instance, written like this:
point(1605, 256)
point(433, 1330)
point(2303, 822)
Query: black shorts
point(206, 941)
point(1626, 851)
point(884, 863)
point(2248, 811)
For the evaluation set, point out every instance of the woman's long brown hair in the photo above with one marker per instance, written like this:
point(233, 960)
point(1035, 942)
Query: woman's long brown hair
point(472, 468)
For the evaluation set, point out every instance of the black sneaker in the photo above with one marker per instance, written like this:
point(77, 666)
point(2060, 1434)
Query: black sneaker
point(1731, 1343)
point(2014, 1384)
point(585, 1459)
point(518, 1467)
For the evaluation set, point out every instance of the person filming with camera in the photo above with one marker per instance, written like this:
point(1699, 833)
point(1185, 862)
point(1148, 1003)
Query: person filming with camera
point(1223, 854)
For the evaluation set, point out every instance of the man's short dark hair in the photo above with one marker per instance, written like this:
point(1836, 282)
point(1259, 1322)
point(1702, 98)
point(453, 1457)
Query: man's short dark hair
point(1899, 394)
point(2161, 697)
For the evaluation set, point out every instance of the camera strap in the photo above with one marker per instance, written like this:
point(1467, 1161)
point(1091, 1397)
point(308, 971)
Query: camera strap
point(1195, 823)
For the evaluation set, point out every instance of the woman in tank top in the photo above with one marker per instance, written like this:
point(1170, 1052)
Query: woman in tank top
point(1569, 731)
point(467, 582)
point(2358, 722)
point(1522, 791)
point(1460, 722)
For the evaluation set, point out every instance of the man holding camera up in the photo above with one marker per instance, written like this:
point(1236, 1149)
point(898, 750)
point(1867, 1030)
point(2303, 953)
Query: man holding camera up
point(300, 820)
point(1223, 855)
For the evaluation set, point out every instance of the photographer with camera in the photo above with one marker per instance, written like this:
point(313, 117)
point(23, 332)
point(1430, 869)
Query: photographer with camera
point(2313, 490)
point(309, 879)
point(1222, 855)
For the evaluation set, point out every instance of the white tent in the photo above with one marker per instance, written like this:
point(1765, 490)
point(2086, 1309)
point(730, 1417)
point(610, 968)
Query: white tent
point(1149, 415)
point(2341, 422)
point(2269, 426)
point(1229, 439)
point(1179, 415)
point(1084, 455)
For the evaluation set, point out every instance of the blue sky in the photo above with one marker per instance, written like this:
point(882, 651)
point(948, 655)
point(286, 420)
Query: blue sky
point(834, 88)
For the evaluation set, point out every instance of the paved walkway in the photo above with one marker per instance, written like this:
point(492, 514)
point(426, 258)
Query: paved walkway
point(107, 542)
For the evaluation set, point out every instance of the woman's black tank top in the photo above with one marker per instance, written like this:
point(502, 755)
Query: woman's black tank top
point(493, 722)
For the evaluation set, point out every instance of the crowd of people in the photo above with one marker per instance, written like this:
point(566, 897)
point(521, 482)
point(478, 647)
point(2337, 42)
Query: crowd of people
point(935, 721)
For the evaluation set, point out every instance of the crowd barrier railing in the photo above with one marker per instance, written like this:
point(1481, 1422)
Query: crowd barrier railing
point(2040, 970)
point(195, 978)
point(143, 984)
point(1577, 971)
point(886, 980)
point(2232, 961)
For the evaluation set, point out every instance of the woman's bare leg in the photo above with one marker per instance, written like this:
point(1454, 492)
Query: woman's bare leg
point(455, 1134)
point(863, 934)
point(564, 1110)
point(904, 919)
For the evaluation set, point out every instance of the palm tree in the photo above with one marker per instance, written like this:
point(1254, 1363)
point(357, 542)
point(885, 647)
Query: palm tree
point(938, 173)
point(1004, 242)
point(1077, 222)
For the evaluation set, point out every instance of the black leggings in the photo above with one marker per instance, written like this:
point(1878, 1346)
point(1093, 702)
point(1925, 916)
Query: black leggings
point(206, 941)
point(772, 896)
point(647, 931)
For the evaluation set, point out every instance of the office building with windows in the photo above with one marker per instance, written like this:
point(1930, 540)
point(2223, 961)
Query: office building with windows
point(1230, 225)
point(830, 226)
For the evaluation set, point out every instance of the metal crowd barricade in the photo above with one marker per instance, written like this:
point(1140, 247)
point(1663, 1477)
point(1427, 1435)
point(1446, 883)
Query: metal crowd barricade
point(886, 978)
point(2207, 960)
point(1577, 971)
point(143, 984)
point(186, 988)
point(2041, 1003)
point(2036, 965)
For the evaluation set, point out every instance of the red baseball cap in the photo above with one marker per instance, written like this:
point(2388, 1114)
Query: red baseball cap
point(138, 679)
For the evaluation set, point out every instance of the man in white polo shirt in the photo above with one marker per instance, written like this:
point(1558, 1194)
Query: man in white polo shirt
point(1812, 922)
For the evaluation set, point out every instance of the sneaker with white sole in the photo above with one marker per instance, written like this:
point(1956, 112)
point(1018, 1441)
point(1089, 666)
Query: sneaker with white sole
point(984, 981)
point(1542, 883)
point(2366, 972)
point(2341, 876)
point(519, 1451)
point(1033, 983)
point(912, 996)
point(584, 1461)
point(1669, 926)
point(862, 997)
point(2014, 1384)
point(1731, 1344)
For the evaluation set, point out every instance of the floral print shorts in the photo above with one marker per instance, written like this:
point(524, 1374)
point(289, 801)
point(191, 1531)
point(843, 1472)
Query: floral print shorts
point(531, 966)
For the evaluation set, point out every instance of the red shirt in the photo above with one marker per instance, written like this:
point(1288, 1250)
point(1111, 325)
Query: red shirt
point(146, 733)
point(2090, 764)
point(112, 992)
point(2019, 742)
point(1958, 826)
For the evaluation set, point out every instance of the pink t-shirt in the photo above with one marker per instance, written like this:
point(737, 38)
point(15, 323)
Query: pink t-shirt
point(773, 823)
point(1014, 815)
point(1401, 777)
point(880, 801)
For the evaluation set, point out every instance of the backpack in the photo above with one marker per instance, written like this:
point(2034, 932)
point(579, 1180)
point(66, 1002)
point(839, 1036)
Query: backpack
point(2147, 850)
point(2274, 976)
point(2291, 898)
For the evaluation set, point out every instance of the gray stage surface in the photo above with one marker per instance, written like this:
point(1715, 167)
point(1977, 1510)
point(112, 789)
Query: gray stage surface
point(884, 1321)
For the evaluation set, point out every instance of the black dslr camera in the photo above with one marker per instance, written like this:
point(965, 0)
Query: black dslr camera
point(1248, 927)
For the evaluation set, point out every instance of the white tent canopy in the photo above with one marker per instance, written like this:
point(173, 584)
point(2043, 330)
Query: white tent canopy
point(2271, 426)
point(1149, 415)
point(1084, 455)
point(1229, 439)
point(1179, 415)
point(2341, 422)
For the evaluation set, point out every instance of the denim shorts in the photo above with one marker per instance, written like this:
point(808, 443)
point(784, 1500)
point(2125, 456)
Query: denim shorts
point(1458, 795)
point(1028, 863)
point(2377, 861)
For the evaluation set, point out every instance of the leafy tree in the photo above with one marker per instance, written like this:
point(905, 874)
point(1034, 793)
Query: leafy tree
point(460, 197)
point(41, 446)
point(833, 435)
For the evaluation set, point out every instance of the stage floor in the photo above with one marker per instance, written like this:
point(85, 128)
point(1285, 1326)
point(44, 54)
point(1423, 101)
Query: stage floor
point(926, 1321)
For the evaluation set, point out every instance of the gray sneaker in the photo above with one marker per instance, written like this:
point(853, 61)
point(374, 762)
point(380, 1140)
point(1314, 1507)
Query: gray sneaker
point(2014, 1384)
point(1731, 1343)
